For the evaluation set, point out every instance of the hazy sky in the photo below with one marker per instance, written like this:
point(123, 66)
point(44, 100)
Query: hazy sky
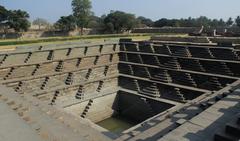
point(154, 9)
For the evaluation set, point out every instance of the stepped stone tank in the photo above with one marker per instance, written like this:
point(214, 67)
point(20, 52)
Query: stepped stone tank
point(159, 90)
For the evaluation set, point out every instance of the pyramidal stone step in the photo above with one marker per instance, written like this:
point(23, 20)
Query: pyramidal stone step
point(238, 122)
point(233, 129)
point(221, 136)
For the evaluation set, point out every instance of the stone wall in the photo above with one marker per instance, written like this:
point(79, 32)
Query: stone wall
point(179, 30)
point(137, 109)
point(233, 40)
point(180, 39)
point(101, 108)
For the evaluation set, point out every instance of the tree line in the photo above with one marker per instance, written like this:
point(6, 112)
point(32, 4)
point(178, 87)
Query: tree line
point(13, 19)
point(114, 22)
point(118, 21)
point(197, 22)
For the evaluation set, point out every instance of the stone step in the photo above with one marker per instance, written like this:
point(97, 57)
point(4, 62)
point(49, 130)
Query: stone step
point(221, 136)
point(85, 110)
point(146, 93)
point(233, 129)
point(238, 122)
point(154, 87)
point(161, 75)
point(189, 82)
point(149, 90)
point(180, 53)
point(161, 79)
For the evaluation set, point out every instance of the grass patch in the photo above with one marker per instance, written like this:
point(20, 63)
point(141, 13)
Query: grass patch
point(56, 39)
point(59, 39)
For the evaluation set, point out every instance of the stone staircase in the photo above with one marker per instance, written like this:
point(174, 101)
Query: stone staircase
point(96, 60)
point(224, 54)
point(131, 70)
point(190, 80)
point(78, 62)
point(100, 86)
point(44, 84)
point(173, 63)
point(151, 90)
point(201, 52)
point(180, 51)
point(214, 82)
point(28, 57)
point(162, 49)
point(106, 70)
point(174, 94)
point(140, 71)
point(226, 69)
point(4, 59)
point(50, 55)
point(86, 109)
point(17, 89)
point(136, 84)
point(88, 74)
point(183, 78)
point(69, 51)
point(231, 131)
point(36, 69)
point(149, 107)
point(80, 94)
point(51, 124)
point(179, 95)
point(9, 73)
point(162, 76)
point(54, 97)
point(146, 47)
point(59, 67)
point(157, 61)
point(193, 64)
point(69, 79)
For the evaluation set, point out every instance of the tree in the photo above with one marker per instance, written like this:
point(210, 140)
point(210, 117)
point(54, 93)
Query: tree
point(117, 21)
point(40, 22)
point(18, 20)
point(221, 23)
point(3, 17)
point(214, 23)
point(95, 22)
point(190, 22)
point(3, 14)
point(237, 20)
point(229, 22)
point(66, 23)
point(145, 21)
point(82, 12)
point(14, 19)
point(161, 23)
point(203, 21)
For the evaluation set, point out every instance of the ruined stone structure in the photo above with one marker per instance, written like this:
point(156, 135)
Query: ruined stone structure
point(192, 31)
point(168, 91)
point(175, 30)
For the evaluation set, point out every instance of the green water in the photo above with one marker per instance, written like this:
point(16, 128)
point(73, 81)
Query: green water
point(116, 124)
